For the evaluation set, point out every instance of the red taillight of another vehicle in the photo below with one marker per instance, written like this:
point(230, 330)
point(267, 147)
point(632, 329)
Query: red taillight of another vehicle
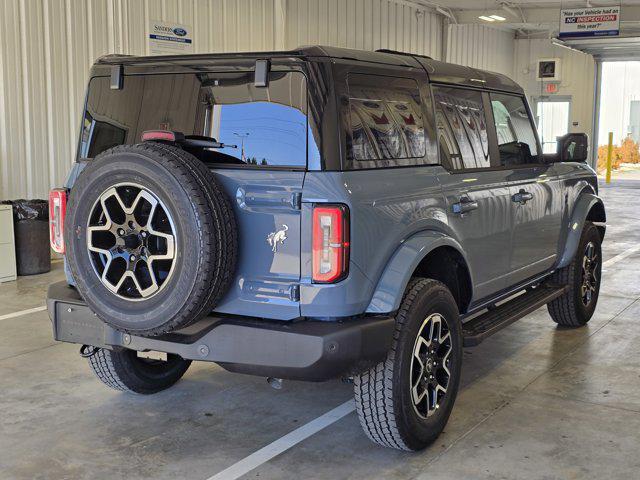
point(330, 246)
point(57, 211)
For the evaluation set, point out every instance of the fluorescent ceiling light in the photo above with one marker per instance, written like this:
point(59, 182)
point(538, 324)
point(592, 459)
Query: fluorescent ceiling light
point(486, 19)
point(498, 18)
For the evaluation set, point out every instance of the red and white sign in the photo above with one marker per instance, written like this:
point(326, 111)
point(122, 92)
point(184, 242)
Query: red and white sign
point(590, 22)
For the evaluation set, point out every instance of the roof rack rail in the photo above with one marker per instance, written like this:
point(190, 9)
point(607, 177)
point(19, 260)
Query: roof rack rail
point(112, 56)
point(395, 52)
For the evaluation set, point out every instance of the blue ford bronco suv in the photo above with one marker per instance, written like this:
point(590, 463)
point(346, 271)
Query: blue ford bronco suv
point(315, 214)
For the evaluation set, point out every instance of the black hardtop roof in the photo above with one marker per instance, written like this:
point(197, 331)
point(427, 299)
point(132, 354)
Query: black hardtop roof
point(439, 72)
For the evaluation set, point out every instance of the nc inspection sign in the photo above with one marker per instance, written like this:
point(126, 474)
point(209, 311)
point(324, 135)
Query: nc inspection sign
point(169, 38)
point(590, 22)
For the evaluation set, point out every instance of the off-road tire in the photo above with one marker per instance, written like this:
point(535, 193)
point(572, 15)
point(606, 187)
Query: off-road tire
point(382, 394)
point(568, 310)
point(206, 233)
point(123, 370)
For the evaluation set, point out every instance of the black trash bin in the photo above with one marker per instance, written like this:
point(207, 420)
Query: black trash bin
point(31, 226)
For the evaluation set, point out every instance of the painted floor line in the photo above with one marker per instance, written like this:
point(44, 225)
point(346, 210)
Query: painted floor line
point(22, 312)
point(621, 256)
point(283, 444)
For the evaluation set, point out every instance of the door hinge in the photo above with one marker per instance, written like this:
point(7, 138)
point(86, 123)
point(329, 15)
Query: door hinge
point(294, 293)
point(296, 200)
point(117, 77)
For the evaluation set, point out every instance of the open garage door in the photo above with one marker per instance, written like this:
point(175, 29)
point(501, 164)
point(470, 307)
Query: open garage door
point(607, 49)
point(616, 104)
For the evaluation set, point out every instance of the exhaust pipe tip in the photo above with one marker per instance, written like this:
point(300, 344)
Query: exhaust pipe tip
point(275, 383)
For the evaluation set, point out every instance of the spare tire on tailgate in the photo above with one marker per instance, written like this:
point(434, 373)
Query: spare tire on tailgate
point(150, 238)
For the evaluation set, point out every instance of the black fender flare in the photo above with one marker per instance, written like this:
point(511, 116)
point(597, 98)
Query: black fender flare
point(397, 273)
point(586, 202)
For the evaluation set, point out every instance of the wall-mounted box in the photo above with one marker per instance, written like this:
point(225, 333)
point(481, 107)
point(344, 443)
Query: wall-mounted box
point(548, 70)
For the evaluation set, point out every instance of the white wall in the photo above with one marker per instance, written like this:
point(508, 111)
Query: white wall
point(481, 47)
point(364, 24)
point(577, 78)
point(47, 47)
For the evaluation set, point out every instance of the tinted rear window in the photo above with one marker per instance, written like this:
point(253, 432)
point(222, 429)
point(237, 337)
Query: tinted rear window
point(258, 126)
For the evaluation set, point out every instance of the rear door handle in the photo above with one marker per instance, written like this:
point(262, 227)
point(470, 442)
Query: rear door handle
point(464, 205)
point(522, 197)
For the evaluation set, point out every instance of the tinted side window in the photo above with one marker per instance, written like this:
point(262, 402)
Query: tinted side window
point(384, 122)
point(462, 128)
point(516, 138)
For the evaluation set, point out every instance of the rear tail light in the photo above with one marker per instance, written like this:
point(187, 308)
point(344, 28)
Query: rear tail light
point(57, 212)
point(330, 248)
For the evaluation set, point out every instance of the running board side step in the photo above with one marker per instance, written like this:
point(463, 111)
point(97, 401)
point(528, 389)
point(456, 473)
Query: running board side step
point(493, 320)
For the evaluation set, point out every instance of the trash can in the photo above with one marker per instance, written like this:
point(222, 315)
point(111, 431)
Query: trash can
point(31, 225)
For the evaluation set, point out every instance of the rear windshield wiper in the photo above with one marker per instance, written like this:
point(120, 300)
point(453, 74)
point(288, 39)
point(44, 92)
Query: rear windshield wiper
point(202, 141)
point(196, 141)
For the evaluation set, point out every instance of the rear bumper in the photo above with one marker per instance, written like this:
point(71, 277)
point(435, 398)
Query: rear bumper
point(305, 350)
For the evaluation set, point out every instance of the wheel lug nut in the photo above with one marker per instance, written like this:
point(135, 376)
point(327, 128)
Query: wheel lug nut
point(132, 258)
point(120, 231)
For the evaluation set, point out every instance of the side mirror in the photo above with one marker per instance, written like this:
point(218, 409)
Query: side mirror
point(573, 147)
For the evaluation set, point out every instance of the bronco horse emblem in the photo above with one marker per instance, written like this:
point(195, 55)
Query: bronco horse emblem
point(277, 237)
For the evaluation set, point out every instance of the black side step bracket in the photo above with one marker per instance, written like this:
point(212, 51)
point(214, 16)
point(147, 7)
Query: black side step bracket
point(477, 329)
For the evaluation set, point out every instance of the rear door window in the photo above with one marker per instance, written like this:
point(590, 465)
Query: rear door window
point(517, 142)
point(462, 128)
point(257, 126)
point(384, 122)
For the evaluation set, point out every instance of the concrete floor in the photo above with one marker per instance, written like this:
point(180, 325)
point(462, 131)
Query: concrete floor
point(536, 402)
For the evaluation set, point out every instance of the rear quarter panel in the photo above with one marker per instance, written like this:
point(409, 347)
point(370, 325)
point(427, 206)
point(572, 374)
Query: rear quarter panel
point(387, 206)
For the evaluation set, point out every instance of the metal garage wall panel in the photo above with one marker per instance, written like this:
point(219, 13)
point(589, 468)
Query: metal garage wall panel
point(13, 164)
point(363, 24)
point(218, 25)
point(47, 47)
point(481, 47)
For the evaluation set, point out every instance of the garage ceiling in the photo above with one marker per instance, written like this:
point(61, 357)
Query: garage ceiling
point(540, 19)
point(492, 4)
point(531, 16)
point(611, 49)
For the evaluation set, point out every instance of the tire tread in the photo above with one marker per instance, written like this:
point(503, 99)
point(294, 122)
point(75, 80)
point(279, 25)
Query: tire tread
point(117, 370)
point(373, 389)
point(101, 364)
point(215, 228)
point(564, 309)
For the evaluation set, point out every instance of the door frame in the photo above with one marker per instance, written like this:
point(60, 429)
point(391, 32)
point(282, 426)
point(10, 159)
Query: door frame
point(551, 99)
